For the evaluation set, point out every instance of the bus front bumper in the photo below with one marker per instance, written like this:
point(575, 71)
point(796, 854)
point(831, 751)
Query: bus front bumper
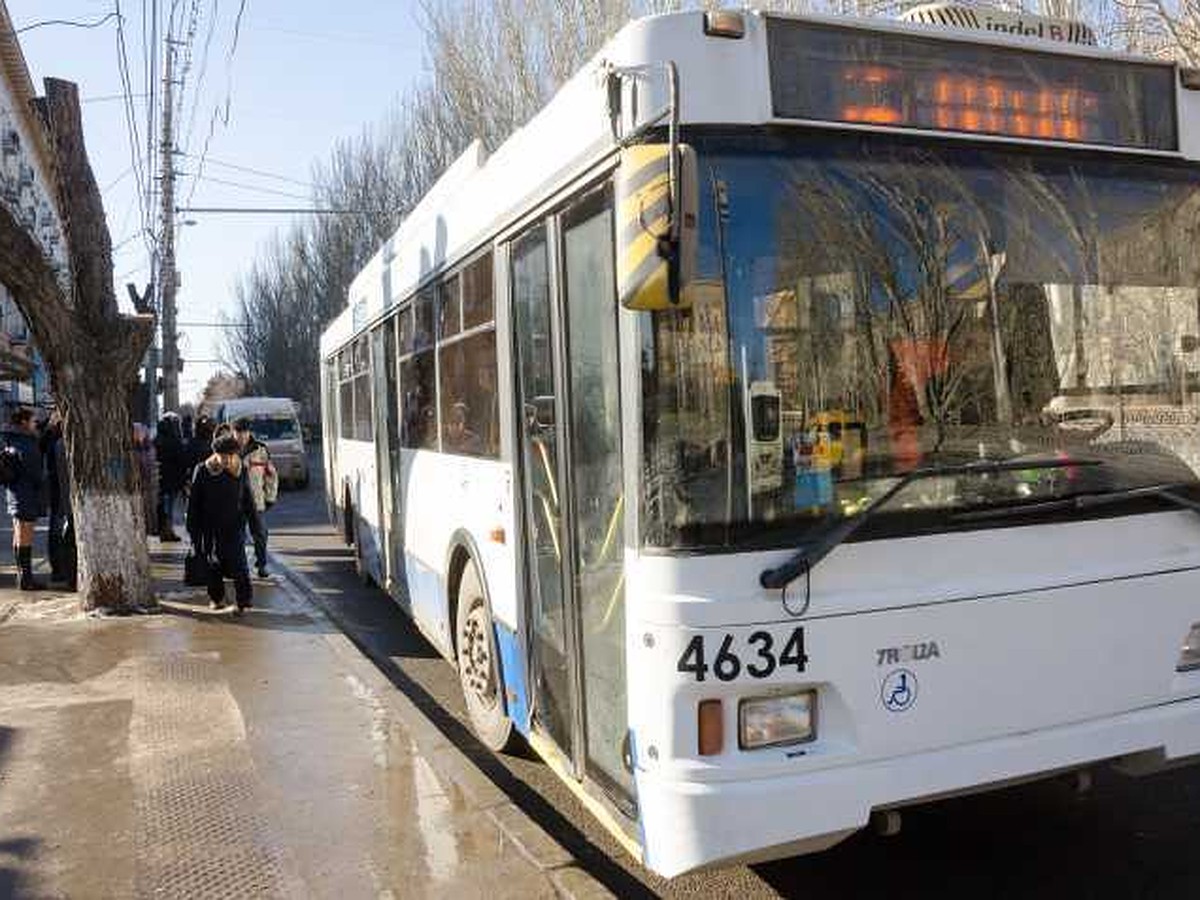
point(693, 824)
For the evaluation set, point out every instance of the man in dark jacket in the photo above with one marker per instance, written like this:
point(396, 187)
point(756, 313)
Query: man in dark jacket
point(218, 512)
point(25, 494)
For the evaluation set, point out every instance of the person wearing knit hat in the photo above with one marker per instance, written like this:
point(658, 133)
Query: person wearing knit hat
point(220, 508)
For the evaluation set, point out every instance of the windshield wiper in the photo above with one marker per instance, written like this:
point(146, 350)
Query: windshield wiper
point(1085, 501)
point(812, 553)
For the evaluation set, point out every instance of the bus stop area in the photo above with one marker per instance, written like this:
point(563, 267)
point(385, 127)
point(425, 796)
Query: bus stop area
point(191, 753)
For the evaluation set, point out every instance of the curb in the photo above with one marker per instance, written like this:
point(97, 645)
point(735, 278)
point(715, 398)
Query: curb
point(450, 764)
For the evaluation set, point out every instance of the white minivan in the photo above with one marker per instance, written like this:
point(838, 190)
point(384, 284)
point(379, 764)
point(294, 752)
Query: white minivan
point(274, 422)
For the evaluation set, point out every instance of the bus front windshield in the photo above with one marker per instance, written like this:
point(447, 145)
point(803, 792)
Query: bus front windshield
point(865, 307)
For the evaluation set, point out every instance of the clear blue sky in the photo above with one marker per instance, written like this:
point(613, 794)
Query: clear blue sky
point(305, 73)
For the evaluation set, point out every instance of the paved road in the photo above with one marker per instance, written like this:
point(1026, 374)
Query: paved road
point(1125, 838)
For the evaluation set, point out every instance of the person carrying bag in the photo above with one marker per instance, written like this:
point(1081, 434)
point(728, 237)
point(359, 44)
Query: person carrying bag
point(220, 508)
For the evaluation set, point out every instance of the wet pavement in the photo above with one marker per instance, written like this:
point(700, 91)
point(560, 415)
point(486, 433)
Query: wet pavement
point(195, 754)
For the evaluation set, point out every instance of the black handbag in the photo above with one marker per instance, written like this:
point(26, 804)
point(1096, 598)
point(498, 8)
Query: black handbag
point(195, 569)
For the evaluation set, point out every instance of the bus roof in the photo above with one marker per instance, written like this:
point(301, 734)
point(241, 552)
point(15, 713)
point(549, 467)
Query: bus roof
point(722, 81)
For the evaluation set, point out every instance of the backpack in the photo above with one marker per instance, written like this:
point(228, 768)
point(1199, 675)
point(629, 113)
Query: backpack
point(11, 466)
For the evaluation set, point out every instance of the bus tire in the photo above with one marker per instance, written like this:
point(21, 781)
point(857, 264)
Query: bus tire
point(478, 666)
point(360, 564)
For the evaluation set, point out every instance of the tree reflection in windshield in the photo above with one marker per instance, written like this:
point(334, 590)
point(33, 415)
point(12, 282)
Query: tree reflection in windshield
point(912, 305)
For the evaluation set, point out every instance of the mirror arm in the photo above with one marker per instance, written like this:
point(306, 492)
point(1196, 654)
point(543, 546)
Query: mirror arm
point(673, 147)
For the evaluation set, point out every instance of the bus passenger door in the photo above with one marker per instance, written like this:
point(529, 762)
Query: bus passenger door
point(387, 449)
point(537, 408)
point(595, 496)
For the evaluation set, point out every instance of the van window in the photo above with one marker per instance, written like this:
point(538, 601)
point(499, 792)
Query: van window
point(274, 427)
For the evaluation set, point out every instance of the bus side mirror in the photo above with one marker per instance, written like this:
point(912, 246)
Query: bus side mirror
point(656, 244)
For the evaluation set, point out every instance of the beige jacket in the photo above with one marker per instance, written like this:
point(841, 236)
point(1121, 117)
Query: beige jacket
point(264, 479)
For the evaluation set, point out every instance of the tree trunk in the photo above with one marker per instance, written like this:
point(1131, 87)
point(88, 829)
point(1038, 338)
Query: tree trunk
point(106, 501)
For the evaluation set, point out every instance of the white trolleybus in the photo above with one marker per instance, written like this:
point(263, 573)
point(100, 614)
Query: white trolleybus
point(797, 420)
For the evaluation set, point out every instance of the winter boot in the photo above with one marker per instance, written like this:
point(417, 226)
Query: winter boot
point(25, 580)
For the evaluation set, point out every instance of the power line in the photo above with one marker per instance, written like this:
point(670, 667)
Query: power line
point(68, 22)
point(269, 210)
point(130, 113)
point(106, 98)
point(121, 243)
point(217, 111)
point(198, 92)
point(112, 184)
point(251, 187)
point(213, 161)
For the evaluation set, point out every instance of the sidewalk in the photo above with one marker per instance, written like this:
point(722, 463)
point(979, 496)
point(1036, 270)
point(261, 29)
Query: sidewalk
point(194, 754)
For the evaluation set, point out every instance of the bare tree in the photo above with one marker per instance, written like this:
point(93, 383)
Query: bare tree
point(92, 353)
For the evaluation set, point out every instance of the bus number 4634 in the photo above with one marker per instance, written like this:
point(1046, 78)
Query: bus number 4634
point(757, 658)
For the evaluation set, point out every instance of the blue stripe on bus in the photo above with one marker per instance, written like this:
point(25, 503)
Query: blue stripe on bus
point(512, 672)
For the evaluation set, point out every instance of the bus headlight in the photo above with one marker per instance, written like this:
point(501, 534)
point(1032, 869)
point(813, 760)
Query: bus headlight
point(1189, 654)
point(777, 719)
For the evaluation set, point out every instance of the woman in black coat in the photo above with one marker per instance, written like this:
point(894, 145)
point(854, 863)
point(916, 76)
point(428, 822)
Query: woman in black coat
point(25, 494)
point(220, 507)
point(173, 472)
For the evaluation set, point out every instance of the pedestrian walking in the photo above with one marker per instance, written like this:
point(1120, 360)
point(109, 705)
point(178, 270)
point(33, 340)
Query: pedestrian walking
point(143, 454)
point(173, 472)
point(58, 493)
point(264, 487)
point(25, 493)
point(200, 444)
point(219, 509)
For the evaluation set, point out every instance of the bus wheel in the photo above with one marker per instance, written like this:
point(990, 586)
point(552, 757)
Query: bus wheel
point(360, 562)
point(478, 668)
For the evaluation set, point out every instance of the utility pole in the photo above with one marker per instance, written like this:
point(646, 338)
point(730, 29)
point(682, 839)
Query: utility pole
point(168, 277)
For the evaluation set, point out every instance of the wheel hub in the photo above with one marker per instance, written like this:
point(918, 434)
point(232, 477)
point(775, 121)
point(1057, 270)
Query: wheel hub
point(475, 657)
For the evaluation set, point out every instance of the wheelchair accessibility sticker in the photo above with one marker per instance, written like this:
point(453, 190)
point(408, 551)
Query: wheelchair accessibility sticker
point(899, 691)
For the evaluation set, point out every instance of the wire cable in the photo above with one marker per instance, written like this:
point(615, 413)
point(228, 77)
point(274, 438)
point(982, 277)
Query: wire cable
point(218, 112)
point(130, 114)
point(112, 184)
point(213, 161)
point(68, 23)
point(198, 93)
point(250, 187)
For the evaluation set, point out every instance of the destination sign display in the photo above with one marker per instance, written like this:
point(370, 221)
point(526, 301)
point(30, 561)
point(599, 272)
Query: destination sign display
point(835, 74)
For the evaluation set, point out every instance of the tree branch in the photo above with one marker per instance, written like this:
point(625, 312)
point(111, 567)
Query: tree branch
point(81, 207)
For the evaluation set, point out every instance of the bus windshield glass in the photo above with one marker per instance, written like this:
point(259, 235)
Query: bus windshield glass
point(867, 306)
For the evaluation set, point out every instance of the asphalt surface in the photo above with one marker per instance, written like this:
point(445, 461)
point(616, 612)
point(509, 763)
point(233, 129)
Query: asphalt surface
point(1124, 838)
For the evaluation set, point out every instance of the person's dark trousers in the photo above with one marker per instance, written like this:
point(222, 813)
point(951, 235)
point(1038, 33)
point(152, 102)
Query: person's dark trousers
point(69, 555)
point(166, 514)
point(230, 562)
point(54, 544)
point(258, 531)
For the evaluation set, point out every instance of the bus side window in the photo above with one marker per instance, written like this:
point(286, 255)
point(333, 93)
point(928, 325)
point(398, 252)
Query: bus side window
point(470, 415)
point(345, 373)
point(418, 421)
